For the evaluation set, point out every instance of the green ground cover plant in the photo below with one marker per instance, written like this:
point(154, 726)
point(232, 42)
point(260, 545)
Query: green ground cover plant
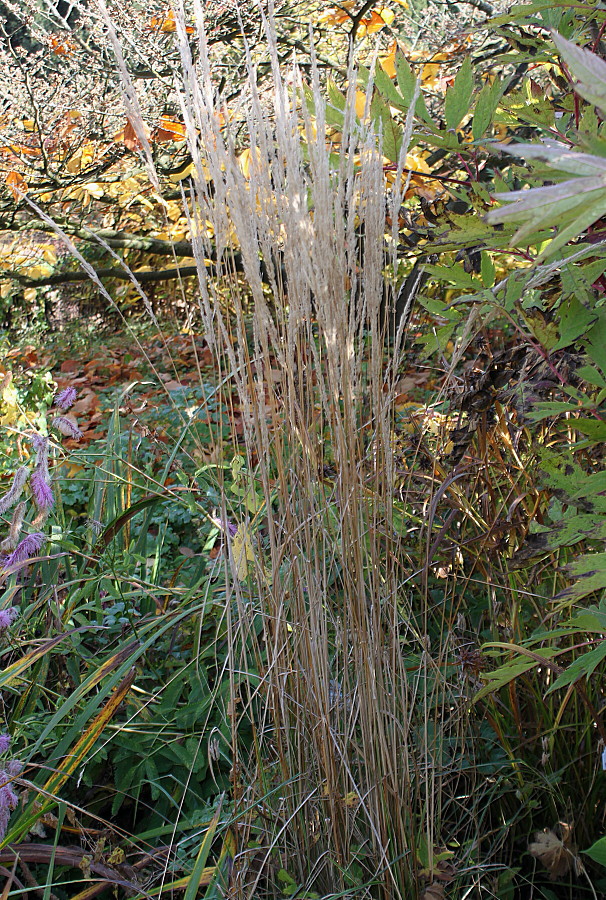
point(330, 623)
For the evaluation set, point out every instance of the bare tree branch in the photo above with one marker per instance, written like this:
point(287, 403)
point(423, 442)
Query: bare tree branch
point(143, 277)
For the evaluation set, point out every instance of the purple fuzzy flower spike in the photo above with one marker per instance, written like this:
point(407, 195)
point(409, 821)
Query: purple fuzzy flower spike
point(8, 796)
point(28, 547)
point(66, 398)
point(41, 489)
point(67, 427)
point(226, 525)
point(7, 617)
point(38, 441)
point(8, 801)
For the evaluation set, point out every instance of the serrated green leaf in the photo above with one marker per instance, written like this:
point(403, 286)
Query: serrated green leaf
point(564, 474)
point(388, 90)
point(587, 68)
point(443, 140)
point(458, 96)
point(487, 270)
point(466, 231)
point(513, 291)
point(550, 408)
point(574, 320)
point(583, 667)
point(595, 342)
point(577, 528)
point(407, 82)
point(391, 134)
point(335, 108)
point(589, 573)
point(437, 340)
point(515, 108)
point(523, 662)
point(523, 11)
point(486, 106)
point(577, 279)
point(592, 619)
point(595, 429)
point(455, 275)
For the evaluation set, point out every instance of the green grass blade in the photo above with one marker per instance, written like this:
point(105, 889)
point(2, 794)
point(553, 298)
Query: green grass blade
point(195, 878)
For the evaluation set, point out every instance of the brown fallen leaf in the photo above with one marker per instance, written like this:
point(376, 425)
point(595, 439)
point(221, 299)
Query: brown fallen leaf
point(433, 891)
point(556, 853)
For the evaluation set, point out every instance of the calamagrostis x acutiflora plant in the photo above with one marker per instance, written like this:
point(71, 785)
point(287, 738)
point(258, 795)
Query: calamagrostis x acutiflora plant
point(340, 780)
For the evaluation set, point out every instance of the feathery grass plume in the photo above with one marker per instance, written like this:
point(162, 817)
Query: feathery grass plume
point(8, 801)
point(39, 519)
point(67, 427)
point(39, 442)
point(10, 542)
point(16, 489)
point(41, 489)
point(66, 398)
point(27, 548)
point(40, 482)
point(8, 796)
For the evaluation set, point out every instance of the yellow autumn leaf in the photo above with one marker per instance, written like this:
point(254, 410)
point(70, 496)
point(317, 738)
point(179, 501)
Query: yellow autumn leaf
point(246, 160)
point(360, 104)
point(416, 160)
point(85, 192)
point(334, 16)
point(17, 184)
point(49, 253)
point(388, 63)
point(8, 251)
point(242, 551)
point(42, 270)
point(378, 19)
point(173, 211)
point(82, 158)
point(430, 75)
point(9, 407)
point(169, 129)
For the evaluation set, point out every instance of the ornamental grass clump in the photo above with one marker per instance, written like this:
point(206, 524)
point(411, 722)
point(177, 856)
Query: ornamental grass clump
point(345, 741)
